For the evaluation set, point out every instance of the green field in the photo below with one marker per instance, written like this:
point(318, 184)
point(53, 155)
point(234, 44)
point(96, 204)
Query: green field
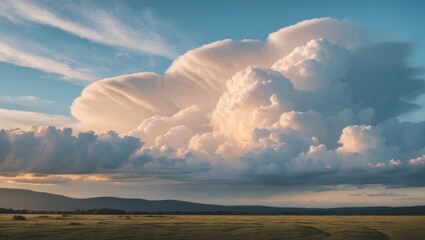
point(212, 227)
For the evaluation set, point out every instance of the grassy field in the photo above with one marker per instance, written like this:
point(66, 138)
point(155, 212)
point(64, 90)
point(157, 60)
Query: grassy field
point(212, 227)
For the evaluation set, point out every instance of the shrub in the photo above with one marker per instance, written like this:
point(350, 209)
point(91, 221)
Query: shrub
point(74, 224)
point(19, 218)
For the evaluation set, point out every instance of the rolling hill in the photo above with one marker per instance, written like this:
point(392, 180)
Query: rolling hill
point(38, 201)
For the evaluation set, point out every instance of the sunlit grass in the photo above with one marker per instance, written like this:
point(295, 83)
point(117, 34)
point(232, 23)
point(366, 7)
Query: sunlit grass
point(211, 227)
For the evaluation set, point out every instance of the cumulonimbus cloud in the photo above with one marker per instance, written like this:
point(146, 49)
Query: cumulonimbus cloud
point(314, 104)
point(198, 77)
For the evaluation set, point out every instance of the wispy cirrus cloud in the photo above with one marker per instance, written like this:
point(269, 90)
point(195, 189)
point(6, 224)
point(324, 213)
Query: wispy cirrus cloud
point(95, 24)
point(30, 101)
point(17, 55)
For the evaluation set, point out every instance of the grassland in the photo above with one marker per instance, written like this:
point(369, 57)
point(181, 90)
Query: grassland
point(212, 227)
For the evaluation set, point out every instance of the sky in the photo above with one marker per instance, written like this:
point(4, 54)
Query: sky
point(281, 103)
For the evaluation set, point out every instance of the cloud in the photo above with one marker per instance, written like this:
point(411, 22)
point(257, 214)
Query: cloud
point(200, 75)
point(99, 25)
point(381, 79)
point(22, 119)
point(312, 100)
point(26, 101)
point(309, 106)
point(146, 165)
point(52, 150)
point(33, 179)
point(357, 139)
point(385, 194)
point(53, 179)
point(418, 161)
point(50, 155)
point(9, 53)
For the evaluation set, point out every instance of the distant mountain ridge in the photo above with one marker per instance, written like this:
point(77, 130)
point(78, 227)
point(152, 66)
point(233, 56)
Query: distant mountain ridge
point(39, 201)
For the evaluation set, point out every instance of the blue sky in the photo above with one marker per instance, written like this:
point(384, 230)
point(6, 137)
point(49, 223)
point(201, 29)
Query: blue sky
point(208, 100)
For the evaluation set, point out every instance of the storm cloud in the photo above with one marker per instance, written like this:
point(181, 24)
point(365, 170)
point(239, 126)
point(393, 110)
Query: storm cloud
point(314, 104)
point(50, 150)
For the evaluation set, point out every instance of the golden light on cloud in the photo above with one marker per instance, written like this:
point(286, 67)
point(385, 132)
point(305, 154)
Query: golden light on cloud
point(56, 179)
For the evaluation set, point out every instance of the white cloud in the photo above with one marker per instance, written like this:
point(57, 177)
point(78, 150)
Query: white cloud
point(98, 26)
point(272, 111)
point(418, 161)
point(155, 127)
point(25, 58)
point(357, 138)
point(317, 65)
point(197, 77)
point(26, 101)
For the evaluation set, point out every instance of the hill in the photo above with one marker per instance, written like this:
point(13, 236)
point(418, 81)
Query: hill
point(38, 201)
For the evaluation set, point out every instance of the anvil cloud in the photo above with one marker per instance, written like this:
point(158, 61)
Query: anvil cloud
point(316, 103)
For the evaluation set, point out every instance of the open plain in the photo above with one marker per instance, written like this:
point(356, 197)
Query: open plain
point(210, 227)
